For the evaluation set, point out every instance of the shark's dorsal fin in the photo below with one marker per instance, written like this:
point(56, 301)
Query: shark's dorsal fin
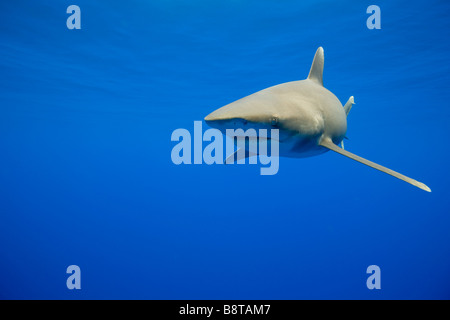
point(316, 72)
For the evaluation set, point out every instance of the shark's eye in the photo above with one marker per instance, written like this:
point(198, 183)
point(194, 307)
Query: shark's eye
point(274, 121)
point(245, 122)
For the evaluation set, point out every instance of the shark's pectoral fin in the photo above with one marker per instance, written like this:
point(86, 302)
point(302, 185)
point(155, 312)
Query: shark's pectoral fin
point(239, 156)
point(330, 145)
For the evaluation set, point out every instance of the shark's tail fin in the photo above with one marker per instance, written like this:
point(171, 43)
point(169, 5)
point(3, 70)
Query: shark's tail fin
point(349, 104)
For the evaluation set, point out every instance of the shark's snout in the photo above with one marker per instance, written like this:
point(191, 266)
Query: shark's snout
point(219, 119)
point(233, 116)
point(215, 121)
point(223, 124)
point(211, 119)
point(217, 115)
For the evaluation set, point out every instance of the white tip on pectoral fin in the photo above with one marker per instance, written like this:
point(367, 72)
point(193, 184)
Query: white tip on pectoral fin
point(330, 145)
point(316, 72)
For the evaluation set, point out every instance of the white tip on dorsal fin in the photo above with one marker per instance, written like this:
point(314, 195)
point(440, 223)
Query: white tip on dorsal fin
point(316, 72)
point(327, 143)
point(349, 104)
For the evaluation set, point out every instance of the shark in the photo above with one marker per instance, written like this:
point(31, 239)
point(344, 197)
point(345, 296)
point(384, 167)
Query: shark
point(311, 120)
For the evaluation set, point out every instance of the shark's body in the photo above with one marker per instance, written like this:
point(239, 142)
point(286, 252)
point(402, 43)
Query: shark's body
point(310, 119)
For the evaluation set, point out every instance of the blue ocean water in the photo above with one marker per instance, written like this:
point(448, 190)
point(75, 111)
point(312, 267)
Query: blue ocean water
point(86, 176)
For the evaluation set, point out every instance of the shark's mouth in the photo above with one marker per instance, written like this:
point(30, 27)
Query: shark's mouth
point(258, 138)
point(254, 138)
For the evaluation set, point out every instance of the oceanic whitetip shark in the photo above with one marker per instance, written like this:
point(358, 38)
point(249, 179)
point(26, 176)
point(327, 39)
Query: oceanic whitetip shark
point(311, 120)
